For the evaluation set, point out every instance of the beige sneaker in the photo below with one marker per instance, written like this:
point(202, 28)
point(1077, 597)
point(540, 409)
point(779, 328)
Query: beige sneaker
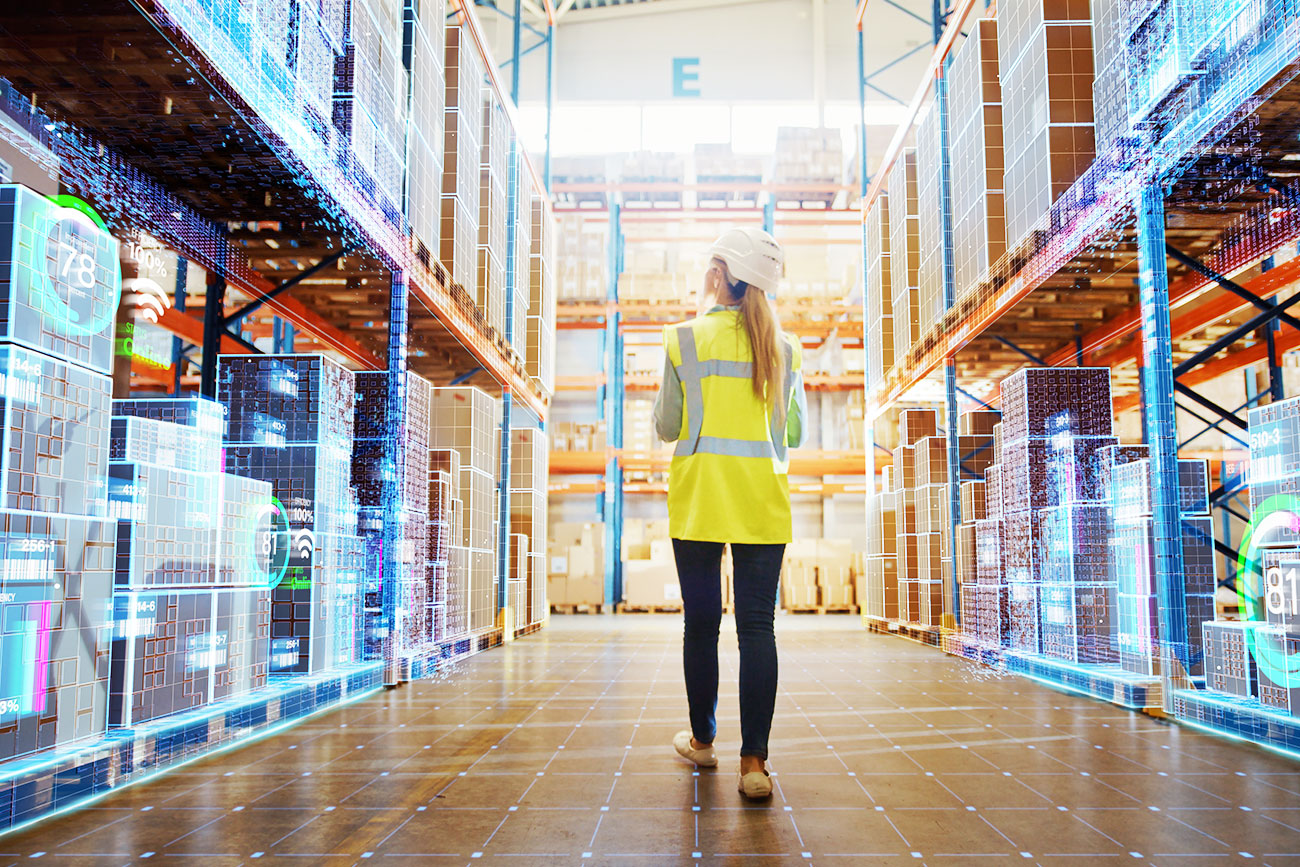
point(754, 785)
point(705, 758)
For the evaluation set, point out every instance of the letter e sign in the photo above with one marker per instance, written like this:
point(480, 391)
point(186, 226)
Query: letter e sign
point(686, 77)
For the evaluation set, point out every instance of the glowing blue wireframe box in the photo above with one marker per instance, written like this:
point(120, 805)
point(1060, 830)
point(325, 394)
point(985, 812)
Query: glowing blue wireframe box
point(179, 651)
point(60, 281)
point(1229, 662)
point(55, 436)
point(56, 576)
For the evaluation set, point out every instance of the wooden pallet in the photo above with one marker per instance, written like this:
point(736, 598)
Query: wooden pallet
point(577, 608)
point(624, 608)
point(823, 609)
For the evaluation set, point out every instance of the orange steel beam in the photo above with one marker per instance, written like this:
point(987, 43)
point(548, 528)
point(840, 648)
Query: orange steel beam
point(823, 489)
point(650, 382)
point(706, 187)
point(1201, 316)
point(1226, 363)
point(956, 19)
point(1130, 320)
point(189, 328)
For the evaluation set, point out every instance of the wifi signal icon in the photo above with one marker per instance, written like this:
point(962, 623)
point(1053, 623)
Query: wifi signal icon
point(146, 296)
point(304, 543)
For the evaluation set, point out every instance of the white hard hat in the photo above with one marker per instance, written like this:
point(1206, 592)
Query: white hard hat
point(752, 256)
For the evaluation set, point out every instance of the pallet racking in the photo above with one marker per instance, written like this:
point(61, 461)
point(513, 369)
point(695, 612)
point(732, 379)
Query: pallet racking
point(1153, 259)
point(277, 204)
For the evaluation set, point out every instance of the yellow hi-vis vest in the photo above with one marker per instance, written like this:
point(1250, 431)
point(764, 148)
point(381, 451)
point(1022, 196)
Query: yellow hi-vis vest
point(729, 479)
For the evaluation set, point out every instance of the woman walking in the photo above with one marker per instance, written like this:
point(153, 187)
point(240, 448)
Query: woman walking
point(732, 398)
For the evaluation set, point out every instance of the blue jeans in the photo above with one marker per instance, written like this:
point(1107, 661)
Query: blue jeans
point(757, 571)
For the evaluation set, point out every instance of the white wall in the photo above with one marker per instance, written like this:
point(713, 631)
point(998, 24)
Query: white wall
point(761, 51)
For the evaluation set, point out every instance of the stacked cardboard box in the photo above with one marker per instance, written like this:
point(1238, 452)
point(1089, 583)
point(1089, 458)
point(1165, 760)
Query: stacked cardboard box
point(464, 420)
point(570, 436)
point(1134, 561)
point(426, 52)
point(878, 294)
point(651, 167)
point(799, 590)
point(979, 233)
point(1045, 59)
point(291, 423)
point(878, 594)
point(523, 241)
point(371, 98)
point(582, 258)
point(1110, 87)
point(1054, 422)
point(540, 358)
point(931, 232)
point(576, 568)
point(493, 232)
point(904, 253)
point(808, 154)
point(461, 182)
point(718, 164)
point(446, 553)
point(529, 459)
point(413, 631)
point(818, 574)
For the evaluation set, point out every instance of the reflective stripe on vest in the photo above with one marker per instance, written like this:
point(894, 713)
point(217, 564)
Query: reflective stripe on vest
point(692, 372)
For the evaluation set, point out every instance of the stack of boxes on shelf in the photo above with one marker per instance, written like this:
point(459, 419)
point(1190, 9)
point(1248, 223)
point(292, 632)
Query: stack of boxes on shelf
point(56, 543)
point(979, 234)
point(1110, 20)
point(877, 293)
point(878, 594)
point(464, 421)
point(1256, 659)
point(413, 604)
point(991, 625)
point(582, 258)
point(425, 51)
point(540, 358)
point(529, 460)
point(579, 437)
point(191, 604)
point(923, 508)
point(371, 100)
point(1133, 558)
point(1045, 60)
point(813, 155)
point(977, 432)
point(1054, 422)
point(649, 574)
point(461, 182)
point(291, 423)
point(576, 571)
point(819, 575)
point(930, 208)
point(904, 253)
point(448, 558)
point(492, 229)
point(647, 167)
point(719, 164)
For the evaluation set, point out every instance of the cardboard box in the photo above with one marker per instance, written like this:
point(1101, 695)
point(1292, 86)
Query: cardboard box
point(650, 584)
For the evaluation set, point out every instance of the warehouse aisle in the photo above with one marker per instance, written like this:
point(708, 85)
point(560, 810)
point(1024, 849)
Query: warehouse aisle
point(555, 750)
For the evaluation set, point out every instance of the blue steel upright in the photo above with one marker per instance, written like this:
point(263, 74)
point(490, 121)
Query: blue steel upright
point(1162, 433)
point(394, 457)
point(613, 502)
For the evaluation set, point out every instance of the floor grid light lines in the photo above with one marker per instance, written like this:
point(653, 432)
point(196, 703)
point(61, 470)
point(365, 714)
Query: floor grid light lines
point(556, 749)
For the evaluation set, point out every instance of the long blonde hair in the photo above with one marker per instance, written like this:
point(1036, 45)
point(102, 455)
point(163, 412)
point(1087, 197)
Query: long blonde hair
point(764, 331)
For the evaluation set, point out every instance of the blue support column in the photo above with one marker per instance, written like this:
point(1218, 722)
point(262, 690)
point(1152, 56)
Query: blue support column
point(769, 214)
point(394, 460)
point(613, 360)
point(1162, 436)
point(178, 345)
point(512, 212)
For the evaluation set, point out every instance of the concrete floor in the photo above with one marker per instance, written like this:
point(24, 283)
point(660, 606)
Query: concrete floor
point(556, 750)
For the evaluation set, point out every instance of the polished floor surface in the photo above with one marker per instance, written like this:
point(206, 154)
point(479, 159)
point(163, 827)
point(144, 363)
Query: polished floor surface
point(556, 750)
